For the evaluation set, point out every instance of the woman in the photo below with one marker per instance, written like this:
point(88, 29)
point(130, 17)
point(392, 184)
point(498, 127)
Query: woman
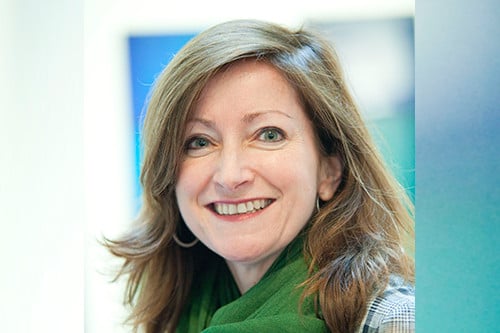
point(267, 207)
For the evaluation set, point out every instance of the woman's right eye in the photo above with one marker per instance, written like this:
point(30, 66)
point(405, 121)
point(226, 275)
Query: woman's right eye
point(197, 143)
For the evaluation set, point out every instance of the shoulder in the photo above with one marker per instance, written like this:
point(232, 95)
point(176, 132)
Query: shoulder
point(393, 310)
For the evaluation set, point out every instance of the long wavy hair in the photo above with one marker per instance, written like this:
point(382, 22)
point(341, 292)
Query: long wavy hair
point(355, 241)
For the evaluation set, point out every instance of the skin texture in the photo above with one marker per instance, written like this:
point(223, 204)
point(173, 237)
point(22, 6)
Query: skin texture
point(249, 139)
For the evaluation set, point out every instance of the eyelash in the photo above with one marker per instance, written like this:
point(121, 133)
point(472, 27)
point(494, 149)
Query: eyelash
point(280, 134)
point(192, 140)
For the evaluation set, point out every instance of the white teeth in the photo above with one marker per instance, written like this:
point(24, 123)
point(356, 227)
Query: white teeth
point(241, 208)
point(257, 204)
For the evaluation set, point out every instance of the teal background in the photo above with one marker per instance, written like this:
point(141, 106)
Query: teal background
point(457, 165)
point(395, 137)
point(377, 58)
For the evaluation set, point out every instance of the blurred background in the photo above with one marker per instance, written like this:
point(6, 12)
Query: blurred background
point(73, 83)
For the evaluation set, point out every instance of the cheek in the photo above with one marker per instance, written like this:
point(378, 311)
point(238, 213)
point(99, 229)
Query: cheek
point(190, 181)
point(182, 186)
point(296, 171)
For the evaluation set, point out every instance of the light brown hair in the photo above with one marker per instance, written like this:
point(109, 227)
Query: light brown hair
point(355, 240)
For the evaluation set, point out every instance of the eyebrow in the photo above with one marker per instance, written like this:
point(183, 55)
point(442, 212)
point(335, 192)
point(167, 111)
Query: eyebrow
point(205, 122)
point(248, 118)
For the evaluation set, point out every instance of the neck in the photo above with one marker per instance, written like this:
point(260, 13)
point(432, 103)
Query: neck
point(248, 275)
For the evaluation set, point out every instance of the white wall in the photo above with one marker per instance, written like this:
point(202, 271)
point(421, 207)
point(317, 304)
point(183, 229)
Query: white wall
point(66, 168)
point(41, 166)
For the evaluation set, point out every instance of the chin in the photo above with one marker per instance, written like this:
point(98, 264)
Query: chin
point(240, 253)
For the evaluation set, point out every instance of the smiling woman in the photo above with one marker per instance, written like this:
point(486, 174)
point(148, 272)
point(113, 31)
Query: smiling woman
point(258, 147)
point(266, 204)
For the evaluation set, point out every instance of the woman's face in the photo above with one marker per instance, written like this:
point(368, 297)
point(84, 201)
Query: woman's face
point(252, 170)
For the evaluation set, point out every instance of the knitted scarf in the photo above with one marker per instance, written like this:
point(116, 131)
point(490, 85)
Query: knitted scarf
point(272, 305)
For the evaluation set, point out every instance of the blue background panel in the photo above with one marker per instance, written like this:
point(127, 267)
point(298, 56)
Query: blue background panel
point(458, 166)
point(148, 55)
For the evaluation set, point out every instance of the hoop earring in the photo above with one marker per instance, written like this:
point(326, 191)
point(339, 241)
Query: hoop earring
point(185, 245)
point(317, 204)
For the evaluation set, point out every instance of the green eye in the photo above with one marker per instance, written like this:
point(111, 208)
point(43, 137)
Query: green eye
point(271, 135)
point(197, 143)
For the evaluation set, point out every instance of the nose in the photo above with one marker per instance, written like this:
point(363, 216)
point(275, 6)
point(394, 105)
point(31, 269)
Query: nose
point(233, 171)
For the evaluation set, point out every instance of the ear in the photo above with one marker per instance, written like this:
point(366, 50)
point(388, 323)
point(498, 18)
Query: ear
point(329, 177)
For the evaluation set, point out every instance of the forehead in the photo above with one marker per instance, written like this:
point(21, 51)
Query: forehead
point(247, 68)
point(247, 84)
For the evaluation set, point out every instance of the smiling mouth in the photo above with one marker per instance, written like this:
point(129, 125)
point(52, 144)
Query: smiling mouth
point(241, 208)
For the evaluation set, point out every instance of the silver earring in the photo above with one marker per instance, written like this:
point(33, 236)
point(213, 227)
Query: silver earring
point(317, 204)
point(185, 245)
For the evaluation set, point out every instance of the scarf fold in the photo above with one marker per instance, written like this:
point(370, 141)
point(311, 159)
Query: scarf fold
point(272, 305)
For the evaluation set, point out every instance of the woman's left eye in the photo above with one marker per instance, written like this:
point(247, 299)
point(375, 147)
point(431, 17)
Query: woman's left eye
point(271, 134)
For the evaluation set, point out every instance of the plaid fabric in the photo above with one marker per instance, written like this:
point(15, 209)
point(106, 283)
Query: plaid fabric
point(393, 311)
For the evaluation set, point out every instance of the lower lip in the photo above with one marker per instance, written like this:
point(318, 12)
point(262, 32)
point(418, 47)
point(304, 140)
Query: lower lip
point(239, 217)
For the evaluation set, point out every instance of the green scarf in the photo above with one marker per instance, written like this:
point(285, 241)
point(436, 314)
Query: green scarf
point(272, 305)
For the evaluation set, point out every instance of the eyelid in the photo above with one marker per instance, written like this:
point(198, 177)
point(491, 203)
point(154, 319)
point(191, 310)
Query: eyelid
point(198, 151)
point(272, 128)
point(194, 137)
